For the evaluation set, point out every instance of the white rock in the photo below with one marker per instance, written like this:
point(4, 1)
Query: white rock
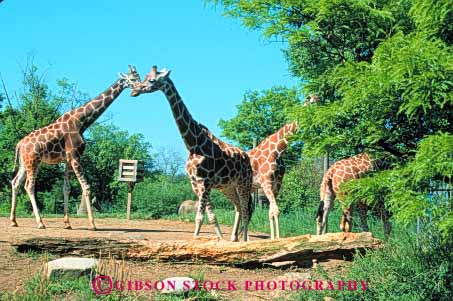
point(70, 267)
point(182, 284)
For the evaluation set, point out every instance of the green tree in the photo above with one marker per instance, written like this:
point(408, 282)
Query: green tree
point(106, 145)
point(36, 106)
point(261, 114)
point(323, 34)
point(382, 69)
point(300, 188)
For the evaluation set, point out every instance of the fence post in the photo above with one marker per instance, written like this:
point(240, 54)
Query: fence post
point(132, 172)
point(326, 162)
point(130, 188)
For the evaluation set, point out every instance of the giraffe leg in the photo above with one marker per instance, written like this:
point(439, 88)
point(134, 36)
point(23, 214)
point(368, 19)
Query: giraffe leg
point(325, 222)
point(200, 212)
point(85, 189)
point(232, 196)
point(277, 226)
point(274, 212)
point(275, 193)
point(319, 216)
point(245, 199)
point(213, 219)
point(327, 203)
point(15, 183)
point(237, 219)
point(66, 191)
point(30, 188)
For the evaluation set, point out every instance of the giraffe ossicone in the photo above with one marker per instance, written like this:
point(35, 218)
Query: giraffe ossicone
point(62, 141)
point(211, 163)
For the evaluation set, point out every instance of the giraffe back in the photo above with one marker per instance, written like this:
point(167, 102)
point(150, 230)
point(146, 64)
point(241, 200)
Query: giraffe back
point(343, 170)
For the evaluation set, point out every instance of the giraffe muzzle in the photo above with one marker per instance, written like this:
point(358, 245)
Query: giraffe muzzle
point(134, 93)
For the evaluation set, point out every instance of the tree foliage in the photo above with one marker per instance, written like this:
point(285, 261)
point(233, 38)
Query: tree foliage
point(37, 105)
point(300, 187)
point(383, 72)
point(106, 145)
point(260, 114)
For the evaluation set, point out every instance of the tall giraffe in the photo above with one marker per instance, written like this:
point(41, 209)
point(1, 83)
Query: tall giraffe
point(269, 169)
point(211, 164)
point(62, 141)
point(341, 171)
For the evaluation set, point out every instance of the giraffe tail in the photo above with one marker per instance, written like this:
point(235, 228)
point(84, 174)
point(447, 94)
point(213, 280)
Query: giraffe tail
point(320, 211)
point(324, 194)
point(16, 156)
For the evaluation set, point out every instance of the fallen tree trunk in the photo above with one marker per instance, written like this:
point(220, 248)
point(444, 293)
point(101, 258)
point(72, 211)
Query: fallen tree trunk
point(300, 249)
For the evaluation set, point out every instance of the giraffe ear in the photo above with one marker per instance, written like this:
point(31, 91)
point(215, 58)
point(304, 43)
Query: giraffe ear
point(164, 73)
point(132, 69)
point(122, 75)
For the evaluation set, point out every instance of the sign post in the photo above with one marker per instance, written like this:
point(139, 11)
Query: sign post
point(132, 172)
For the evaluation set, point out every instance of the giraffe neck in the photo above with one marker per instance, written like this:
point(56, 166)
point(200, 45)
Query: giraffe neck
point(91, 110)
point(276, 142)
point(189, 128)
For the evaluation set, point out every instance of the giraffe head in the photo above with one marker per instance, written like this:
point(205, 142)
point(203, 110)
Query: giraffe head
point(154, 81)
point(131, 79)
point(311, 100)
point(291, 128)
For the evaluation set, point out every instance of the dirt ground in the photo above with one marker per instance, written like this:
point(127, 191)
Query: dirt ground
point(16, 268)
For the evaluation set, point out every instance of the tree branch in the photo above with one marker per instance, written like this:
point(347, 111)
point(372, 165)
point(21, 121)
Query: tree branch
point(13, 120)
point(391, 149)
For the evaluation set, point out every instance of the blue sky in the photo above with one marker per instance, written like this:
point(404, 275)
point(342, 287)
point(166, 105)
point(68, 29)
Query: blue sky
point(214, 60)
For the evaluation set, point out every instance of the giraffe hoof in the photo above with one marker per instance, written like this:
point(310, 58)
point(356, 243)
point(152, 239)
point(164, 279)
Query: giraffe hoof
point(41, 226)
point(13, 224)
point(234, 239)
point(93, 228)
point(67, 227)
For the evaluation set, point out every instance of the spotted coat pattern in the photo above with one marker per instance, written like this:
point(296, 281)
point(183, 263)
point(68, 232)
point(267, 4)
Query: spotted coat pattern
point(341, 171)
point(211, 163)
point(269, 169)
point(62, 141)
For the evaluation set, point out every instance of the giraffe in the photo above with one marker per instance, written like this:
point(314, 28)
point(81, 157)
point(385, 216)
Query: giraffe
point(62, 141)
point(312, 99)
point(341, 171)
point(211, 163)
point(268, 170)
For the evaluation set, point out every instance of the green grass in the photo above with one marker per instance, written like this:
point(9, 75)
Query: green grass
point(401, 270)
point(38, 288)
point(293, 223)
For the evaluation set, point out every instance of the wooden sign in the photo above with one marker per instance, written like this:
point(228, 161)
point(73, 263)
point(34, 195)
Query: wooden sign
point(131, 171)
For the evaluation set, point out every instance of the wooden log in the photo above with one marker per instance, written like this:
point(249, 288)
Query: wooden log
point(300, 249)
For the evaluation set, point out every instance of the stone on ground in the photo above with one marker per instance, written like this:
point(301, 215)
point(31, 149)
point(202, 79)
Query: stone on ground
point(182, 285)
point(70, 268)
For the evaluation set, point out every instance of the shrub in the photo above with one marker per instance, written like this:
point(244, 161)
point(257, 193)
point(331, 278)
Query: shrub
point(403, 269)
point(156, 196)
point(300, 187)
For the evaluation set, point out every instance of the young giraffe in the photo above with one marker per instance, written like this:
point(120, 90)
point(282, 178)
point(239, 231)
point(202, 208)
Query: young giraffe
point(269, 169)
point(211, 163)
point(340, 172)
point(62, 141)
